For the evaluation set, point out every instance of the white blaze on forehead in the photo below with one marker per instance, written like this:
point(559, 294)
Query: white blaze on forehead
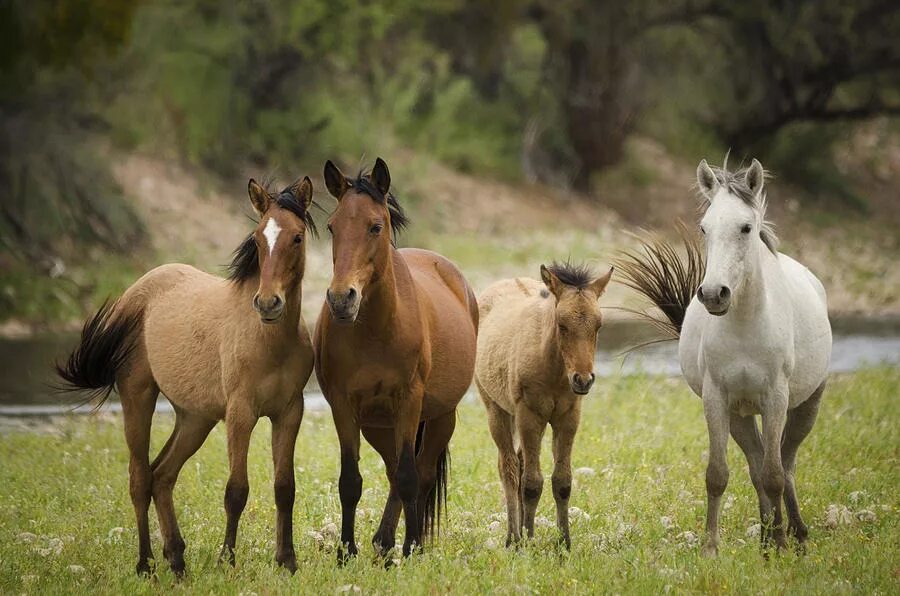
point(271, 233)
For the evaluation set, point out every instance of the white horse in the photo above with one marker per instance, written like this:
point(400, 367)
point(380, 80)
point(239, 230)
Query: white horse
point(754, 339)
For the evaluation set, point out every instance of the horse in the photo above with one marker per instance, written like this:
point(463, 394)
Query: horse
point(233, 349)
point(395, 353)
point(754, 339)
point(535, 362)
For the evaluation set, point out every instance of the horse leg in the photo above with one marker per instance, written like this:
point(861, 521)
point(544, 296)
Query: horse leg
point(382, 439)
point(350, 481)
point(187, 437)
point(501, 425)
point(408, 411)
point(435, 440)
point(800, 421)
point(531, 430)
point(746, 435)
point(239, 423)
point(717, 422)
point(774, 417)
point(284, 439)
point(564, 429)
point(138, 404)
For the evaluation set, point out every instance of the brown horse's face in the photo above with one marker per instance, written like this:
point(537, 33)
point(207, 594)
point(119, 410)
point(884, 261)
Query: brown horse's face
point(360, 231)
point(280, 242)
point(578, 320)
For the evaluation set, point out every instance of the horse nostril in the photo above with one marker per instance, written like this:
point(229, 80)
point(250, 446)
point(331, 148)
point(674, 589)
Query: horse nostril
point(276, 301)
point(724, 293)
point(329, 296)
point(256, 302)
point(351, 294)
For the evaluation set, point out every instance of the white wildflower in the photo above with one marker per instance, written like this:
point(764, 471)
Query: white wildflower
point(578, 514)
point(494, 526)
point(753, 531)
point(856, 496)
point(666, 522)
point(26, 537)
point(866, 515)
point(76, 569)
point(114, 536)
point(838, 515)
point(688, 538)
point(349, 588)
point(491, 543)
point(585, 472)
point(542, 522)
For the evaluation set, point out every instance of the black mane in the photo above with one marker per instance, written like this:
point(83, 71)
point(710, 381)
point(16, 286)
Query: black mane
point(245, 258)
point(363, 184)
point(578, 276)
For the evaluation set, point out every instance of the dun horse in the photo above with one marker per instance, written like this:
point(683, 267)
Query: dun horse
point(234, 349)
point(754, 339)
point(535, 360)
point(395, 350)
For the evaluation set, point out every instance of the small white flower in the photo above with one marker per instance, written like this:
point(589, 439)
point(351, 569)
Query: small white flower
point(688, 538)
point(349, 588)
point(491, 543)
point(753, 531)
point(578, 514)
point(26, 537)
point(729, 503)
point(494, 526)
point(542, 522)
point(76, 569)
point(585, 472)
point(838, 515)
point(330, 530)
point(497, 517)
point(114, 536)
point(855, 496)
point(666, 522)
point(866, 515)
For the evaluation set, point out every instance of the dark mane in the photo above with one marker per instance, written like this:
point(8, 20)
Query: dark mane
point(736, 183)
point(578, 276)
point(245, 258)
point(363, 184)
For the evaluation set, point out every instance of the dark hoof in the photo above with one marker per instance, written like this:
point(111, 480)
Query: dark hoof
point(288, 561)
point(143, 568)
point(411, 548)
point(226, 555)
point(344, 556)
point(564, 541)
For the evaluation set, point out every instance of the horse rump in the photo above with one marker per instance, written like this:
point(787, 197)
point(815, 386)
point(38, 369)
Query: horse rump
point(107, 340)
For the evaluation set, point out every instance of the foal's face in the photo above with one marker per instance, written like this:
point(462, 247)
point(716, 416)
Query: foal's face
point(578, 320)
point(280, 242)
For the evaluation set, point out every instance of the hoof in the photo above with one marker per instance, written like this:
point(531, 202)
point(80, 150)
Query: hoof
point(710, 550)
point(226, 555)
point(564, 541)
point(344, 556)
point(143, 568)
point(288, 561)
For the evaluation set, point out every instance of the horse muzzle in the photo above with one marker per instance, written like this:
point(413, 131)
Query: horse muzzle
point(344, 306)
point(270, 309)
point(715, 298)
point(581, 382)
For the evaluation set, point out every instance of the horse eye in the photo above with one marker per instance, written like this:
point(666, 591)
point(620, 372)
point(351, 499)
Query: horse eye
point(563, 329)
point(298, 239)
point(745, 229)
point(376, 229)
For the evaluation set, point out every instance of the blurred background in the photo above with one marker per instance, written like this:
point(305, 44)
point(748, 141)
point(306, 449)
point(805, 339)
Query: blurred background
point(517, 132)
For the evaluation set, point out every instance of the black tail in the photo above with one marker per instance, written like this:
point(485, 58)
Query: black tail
point(106, 343)
point(657, 271)
point(435, 502)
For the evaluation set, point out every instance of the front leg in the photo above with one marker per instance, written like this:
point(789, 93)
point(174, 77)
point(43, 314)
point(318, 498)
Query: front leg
point(530, 428)
point(564, 428)
point(717, 424)
point(239, 422)
point(284, 438)
point(408, 410)
point(350, 482)
point(774, 416)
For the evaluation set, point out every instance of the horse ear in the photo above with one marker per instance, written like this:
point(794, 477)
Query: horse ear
point(335, 181)
point(598, 286)
point(706, 179)
point(381, 177)
point(302, 190)
point(550, 280)
point(755, 177)
point(259, 198)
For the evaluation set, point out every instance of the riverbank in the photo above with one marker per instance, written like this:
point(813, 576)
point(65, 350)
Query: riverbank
point(638, 504)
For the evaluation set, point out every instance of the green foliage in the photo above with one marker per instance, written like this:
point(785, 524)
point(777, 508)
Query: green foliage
point(65, 502)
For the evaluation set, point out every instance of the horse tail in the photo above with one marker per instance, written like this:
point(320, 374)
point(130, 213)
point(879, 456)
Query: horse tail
point(658, 271)
point(107, 340)
point(435, 502)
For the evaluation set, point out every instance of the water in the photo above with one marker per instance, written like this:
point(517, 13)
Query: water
point(26, 374)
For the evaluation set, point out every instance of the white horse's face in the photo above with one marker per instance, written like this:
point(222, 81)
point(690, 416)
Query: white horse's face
point(730, 227)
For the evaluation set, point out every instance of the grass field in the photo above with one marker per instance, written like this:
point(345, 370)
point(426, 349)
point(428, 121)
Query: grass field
point(66, 522)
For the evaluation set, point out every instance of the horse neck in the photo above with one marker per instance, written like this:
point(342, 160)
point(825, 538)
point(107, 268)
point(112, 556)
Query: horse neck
point(379, 305)
point(752, 302)
point(552, 355)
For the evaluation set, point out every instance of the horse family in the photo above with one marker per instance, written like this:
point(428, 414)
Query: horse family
point(400, 337)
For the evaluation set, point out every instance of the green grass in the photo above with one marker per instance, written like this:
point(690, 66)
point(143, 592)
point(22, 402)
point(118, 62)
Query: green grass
point(643, 437)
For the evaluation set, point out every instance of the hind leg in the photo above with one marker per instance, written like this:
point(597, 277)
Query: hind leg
point(189, 434)
point(800, 421)
point(508, 466)
point(138, 403)
point(434, 453)
point(382, 439)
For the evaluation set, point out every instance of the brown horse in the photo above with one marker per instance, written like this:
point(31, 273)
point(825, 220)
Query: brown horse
point(234, 349)
point(395, 351)
point(535, 360)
